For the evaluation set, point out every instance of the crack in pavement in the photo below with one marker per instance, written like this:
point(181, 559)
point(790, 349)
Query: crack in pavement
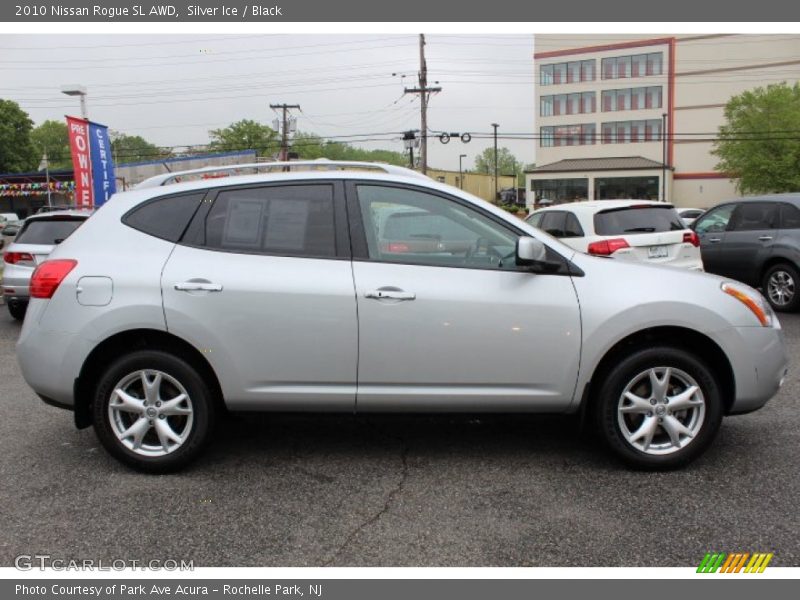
point(390, 497)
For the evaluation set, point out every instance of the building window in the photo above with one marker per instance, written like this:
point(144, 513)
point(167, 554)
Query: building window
point(638, 65)
point(634, 188)
point(567, 135)
point(571, 72)
point(560, 190)
point(631, 99)
point(567, 104)
point(622, 132)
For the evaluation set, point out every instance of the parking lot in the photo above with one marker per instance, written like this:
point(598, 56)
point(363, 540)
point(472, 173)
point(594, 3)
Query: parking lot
point(288, 490)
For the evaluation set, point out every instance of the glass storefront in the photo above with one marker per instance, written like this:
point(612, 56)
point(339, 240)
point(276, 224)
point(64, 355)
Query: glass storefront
point(560, 190)
point(637, 188)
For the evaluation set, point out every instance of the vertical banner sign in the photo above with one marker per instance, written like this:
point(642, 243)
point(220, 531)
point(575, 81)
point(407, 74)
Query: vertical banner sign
point(79, 148)
point(103, 180)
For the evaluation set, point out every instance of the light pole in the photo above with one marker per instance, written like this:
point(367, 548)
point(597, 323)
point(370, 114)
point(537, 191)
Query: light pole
point(77, 90)
point(495, 125)
point(461, 171)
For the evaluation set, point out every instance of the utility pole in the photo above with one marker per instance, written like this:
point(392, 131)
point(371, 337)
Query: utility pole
point(664, 157)
point(495, 125)
point(424, 94)
point(461, 171)
point(284, 127)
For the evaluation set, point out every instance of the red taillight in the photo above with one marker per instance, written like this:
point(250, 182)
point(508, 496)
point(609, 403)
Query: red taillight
point(692, 238)
point(607, 247)
point(49, 275)
point(14, 258)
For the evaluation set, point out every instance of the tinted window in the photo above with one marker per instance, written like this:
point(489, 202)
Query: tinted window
point(164, 218)
point(752, 216)
point(284, 220)
point(553, 223)
point(637, 219)
point(408, 226)
point(48, 231)
point(790, 216)
point(572, 228)
point(715, 221)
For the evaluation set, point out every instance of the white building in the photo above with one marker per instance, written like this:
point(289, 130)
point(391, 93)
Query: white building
point(636, 117)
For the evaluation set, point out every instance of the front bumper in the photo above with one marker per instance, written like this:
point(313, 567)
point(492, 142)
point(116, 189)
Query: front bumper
point(759, 361)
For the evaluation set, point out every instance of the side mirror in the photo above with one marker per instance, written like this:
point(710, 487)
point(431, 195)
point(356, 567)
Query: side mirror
point(530, 251)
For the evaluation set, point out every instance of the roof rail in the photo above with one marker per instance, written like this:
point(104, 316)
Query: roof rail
point(319, 164)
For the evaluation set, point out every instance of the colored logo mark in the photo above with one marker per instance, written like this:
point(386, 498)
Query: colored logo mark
point(737, 562)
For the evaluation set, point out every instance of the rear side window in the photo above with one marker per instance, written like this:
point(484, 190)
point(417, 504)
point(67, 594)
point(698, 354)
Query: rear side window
point(47, 231)
point(790, 216)
point(637, 219)
point(295, 220)
point(164, 218)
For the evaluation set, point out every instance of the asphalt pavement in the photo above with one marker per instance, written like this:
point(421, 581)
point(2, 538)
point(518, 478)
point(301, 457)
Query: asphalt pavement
point(396, 491)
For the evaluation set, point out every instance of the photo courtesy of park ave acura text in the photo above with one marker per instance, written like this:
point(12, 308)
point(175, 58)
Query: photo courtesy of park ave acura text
point(396, 297)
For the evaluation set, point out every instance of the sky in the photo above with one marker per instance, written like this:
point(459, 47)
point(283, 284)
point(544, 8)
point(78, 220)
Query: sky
point(171, 89)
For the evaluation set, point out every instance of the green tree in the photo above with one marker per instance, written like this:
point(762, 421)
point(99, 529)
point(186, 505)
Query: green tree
point(759, 144)
point(506, 163)
point(17, 152)
point(52, 137)
point(310, 146)
point(133, 148)
point(245, 135)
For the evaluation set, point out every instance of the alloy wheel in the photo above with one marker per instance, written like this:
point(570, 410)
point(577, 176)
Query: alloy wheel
point(780, 288)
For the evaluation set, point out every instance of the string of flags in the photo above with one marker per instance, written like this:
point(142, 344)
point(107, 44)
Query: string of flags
point(36, 189)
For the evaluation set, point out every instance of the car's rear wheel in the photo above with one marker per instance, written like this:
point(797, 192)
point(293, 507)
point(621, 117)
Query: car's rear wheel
point(659, 408)
point(18, 309)
point(780, 287)
point(153, 411)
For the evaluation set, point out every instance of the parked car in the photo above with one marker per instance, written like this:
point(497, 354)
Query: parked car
point(7, 219)
point(36, 238)
point(636, 230)
point(756, 241)
point(8, 233)
point(688, 215)
point(289, 291)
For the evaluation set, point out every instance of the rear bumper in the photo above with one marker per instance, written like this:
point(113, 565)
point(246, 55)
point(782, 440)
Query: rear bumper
point(16, 285)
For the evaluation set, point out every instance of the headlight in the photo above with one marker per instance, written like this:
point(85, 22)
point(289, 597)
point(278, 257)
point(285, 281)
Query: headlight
point(752, 300)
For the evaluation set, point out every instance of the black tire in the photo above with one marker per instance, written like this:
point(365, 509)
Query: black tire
point(609, 403)
point(787, 274)
point(200, 400)
point(18, 309)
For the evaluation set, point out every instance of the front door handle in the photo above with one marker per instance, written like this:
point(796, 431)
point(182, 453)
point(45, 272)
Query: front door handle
point(714, 240)
point(390, 294)
point(765, 238)
point(197, 286)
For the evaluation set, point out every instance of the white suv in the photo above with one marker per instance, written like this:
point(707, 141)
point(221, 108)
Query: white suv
point(369, 288)
point(638, 230)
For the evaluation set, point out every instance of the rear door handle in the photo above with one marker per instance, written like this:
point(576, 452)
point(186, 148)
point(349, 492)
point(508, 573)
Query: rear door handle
point(382, 294)
point(765, 238)
point(714, 240)
point(196, 286)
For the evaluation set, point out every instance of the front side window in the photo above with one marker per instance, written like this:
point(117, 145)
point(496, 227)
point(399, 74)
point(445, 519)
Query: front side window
point(413, 227)
point(715, 221)
point(295, 220)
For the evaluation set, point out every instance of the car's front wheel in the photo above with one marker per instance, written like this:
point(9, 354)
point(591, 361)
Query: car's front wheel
point(153, 411)
point(659, 408)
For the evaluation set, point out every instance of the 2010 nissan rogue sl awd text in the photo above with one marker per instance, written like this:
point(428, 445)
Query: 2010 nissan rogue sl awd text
point(368, 288)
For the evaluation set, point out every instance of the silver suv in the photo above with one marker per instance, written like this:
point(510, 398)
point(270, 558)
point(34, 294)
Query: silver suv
point(32, 245)
point(365, 288)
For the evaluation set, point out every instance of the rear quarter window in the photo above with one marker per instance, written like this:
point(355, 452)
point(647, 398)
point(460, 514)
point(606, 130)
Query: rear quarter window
point(632, 220)
point(48, 231)
point(165, 217)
